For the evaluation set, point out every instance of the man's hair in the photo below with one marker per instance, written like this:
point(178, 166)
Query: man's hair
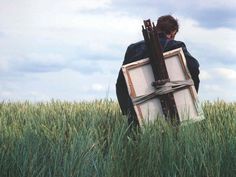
point(167, 24)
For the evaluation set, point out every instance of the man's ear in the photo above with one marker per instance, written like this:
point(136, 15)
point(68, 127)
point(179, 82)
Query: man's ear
point(169, 36)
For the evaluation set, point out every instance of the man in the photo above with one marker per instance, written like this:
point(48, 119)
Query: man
point(167, 27)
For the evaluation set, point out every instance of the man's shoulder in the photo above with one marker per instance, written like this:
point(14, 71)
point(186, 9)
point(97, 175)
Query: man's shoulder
point(135, 51)
point(173, 44)
point(137, 44)
point(176, 44)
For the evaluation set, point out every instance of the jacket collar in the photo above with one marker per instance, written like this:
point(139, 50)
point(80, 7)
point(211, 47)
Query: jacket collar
point(162, 35)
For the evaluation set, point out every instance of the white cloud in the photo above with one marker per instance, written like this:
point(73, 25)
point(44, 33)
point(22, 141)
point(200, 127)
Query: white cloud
point(221, 39)
point(212, 88)
point(75, 5)
point(5, 94)
point(3, 64)
point(226, 73)
point(203, 4)
point(63, 33)
point(35, 96)
point(211, 92)
point(221, 85)
point(98, 87)
point(105, 33)
point(66, 84)
point(95, 32)
point(39, 58)
point(46, 58)
point(216, 4)
point(205, 75)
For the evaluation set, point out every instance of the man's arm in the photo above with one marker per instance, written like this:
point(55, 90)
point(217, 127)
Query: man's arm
point(122, 93)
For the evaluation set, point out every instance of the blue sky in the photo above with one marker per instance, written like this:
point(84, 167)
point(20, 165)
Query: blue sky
point(72, 49)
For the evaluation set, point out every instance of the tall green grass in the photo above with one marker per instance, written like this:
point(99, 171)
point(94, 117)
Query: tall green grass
point(66, 139)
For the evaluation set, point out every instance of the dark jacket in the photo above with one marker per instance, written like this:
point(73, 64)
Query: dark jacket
point(138, 51)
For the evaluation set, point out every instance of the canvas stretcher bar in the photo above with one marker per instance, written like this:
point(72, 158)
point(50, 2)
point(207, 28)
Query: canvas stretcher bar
point(139, 78)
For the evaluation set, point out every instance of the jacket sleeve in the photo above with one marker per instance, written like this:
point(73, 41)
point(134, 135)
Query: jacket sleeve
point(122, 93)
point(193, 67)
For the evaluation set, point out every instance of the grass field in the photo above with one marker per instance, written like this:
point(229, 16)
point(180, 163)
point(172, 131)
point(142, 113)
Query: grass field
point(90, 139)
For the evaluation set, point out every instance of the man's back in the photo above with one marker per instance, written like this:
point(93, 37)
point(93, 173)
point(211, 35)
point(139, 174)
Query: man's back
point(138, 51)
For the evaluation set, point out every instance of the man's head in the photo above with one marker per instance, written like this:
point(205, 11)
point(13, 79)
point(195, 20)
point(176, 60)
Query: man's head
point(169, 25)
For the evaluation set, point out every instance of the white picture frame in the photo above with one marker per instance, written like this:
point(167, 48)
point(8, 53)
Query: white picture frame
point(139, 77)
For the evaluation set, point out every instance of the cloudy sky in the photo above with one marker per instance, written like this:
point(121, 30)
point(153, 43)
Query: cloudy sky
point(73, 49)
